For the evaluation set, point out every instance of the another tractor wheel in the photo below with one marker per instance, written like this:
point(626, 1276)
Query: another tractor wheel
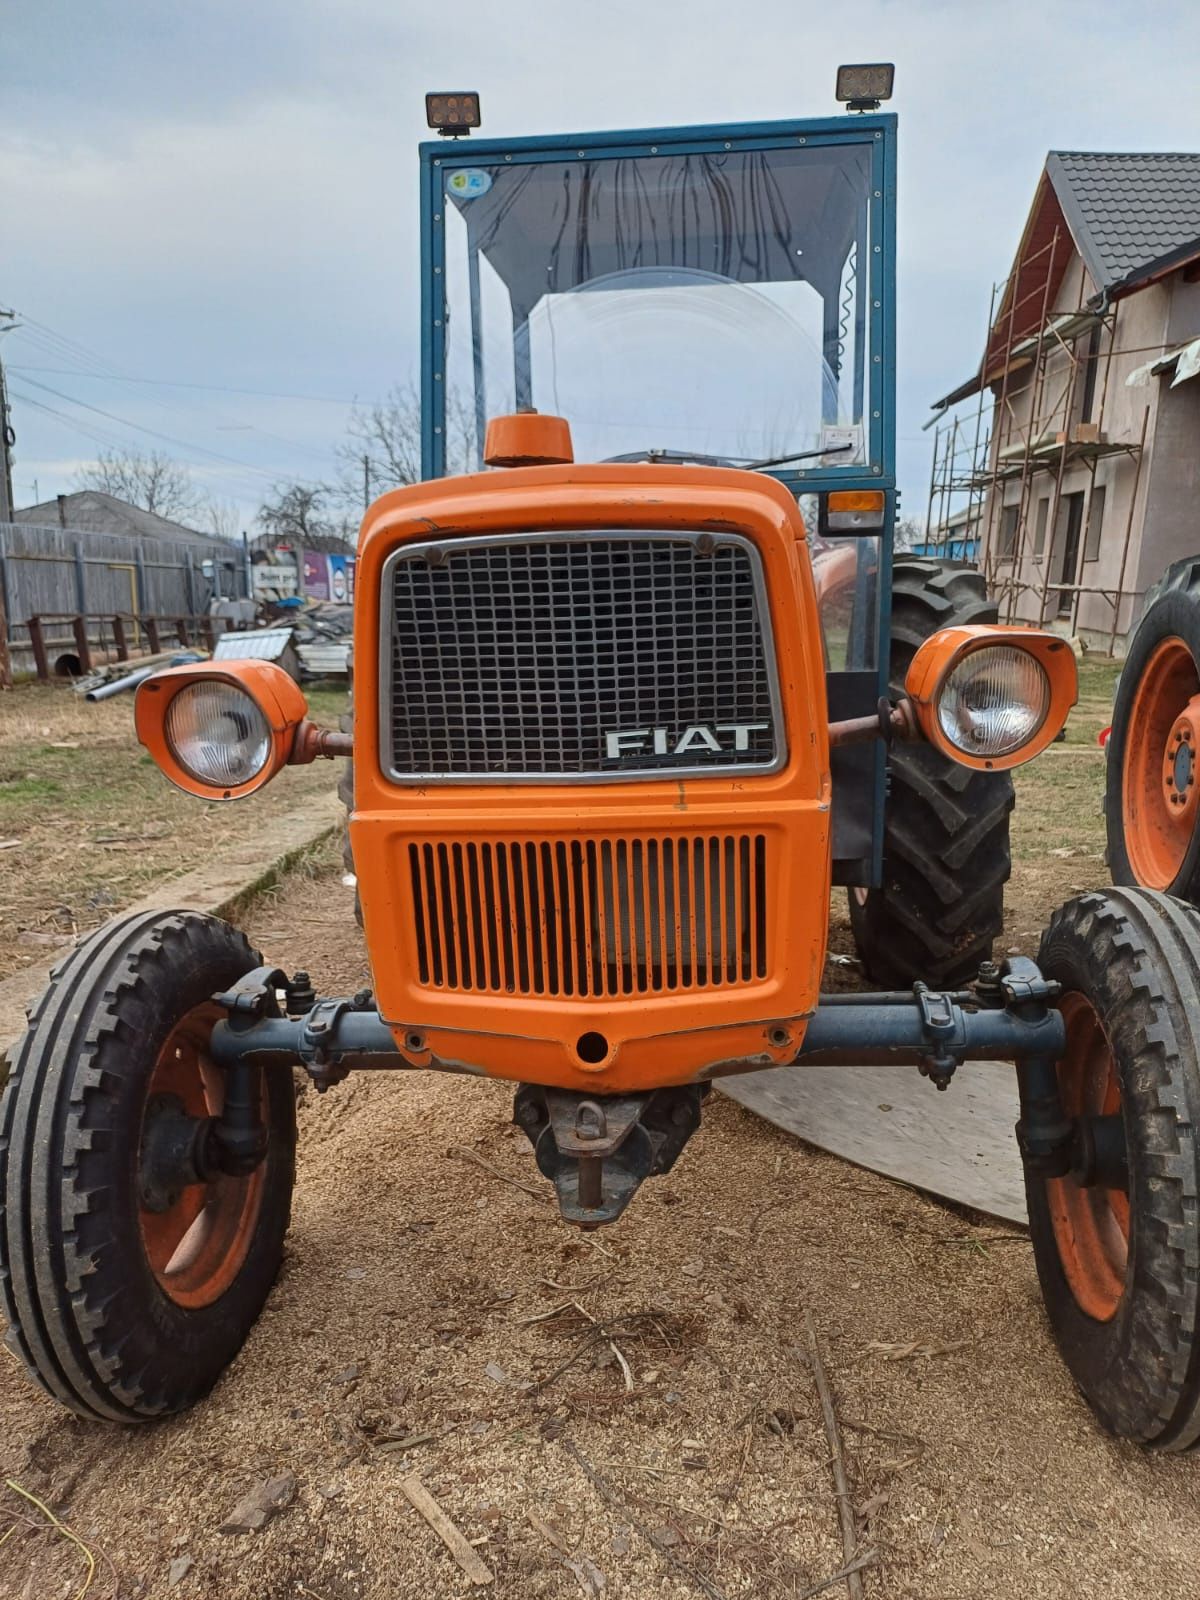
point(126, 1295)
point(945, 848)
point(1119, 1257)
point(1152, 788)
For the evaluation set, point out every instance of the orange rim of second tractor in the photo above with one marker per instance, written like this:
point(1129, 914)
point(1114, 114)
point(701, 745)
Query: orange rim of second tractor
point(1091, 1224)
point(197, 1247)
point(1159, 792)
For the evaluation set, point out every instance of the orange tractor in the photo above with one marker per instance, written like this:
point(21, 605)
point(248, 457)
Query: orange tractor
point(633, 690)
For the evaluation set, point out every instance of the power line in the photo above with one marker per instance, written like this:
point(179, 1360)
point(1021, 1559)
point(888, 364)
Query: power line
point(88, 363)
point(210, 388)
point(167, 438)
point(100, 435)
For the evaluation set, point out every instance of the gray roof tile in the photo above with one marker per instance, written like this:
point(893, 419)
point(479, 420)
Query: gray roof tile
point(1127, 212)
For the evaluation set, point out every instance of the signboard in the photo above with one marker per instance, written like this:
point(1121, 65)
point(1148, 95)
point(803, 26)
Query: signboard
point(316, 576)
point(329, 577)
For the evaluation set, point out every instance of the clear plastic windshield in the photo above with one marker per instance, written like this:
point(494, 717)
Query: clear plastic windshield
point(702, 306)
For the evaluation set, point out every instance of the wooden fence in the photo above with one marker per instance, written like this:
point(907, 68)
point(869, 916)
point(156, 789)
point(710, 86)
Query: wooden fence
point(87, 579)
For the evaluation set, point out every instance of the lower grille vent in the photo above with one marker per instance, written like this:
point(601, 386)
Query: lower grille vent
point(591, 917)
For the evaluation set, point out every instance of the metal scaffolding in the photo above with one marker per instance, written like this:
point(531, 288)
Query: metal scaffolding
point(1025, 426)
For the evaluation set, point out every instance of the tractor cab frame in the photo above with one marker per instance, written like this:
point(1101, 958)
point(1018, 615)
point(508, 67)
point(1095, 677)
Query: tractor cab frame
point(754, 262)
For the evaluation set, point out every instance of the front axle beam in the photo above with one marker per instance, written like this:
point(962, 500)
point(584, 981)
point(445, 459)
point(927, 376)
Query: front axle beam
point(597, 1149)
point(925, 1028)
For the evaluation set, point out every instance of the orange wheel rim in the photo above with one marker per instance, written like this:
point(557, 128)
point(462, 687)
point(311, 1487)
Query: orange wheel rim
point(1160, 787)
point(198, 1246)
point(1091, 1224)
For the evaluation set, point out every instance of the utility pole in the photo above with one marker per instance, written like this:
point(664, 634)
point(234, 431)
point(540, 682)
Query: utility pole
point(6, 509)
point(366, 483)
point(7, 440)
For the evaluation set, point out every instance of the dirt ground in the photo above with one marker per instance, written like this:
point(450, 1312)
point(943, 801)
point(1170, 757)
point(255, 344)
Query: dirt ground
point(88, 824)
point(630, 1413)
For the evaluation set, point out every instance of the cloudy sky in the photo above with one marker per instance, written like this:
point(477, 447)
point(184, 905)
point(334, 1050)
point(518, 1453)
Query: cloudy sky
point(208, 210)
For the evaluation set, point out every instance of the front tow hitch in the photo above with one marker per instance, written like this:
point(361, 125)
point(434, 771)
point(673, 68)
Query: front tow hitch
point(597, 1152)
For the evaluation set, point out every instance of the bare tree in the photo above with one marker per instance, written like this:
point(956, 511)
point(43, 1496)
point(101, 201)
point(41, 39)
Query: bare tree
point(298, 515)
point(382, 450)
point(147, 479)
point(909, 533)
point(220, 517)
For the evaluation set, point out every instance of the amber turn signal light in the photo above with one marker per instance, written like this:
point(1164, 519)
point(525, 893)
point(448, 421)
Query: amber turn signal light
point(992, 697)
point(220, 732)
point(847, 510)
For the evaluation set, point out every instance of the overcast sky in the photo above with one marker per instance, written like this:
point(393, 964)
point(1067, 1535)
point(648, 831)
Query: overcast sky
point(222, 193)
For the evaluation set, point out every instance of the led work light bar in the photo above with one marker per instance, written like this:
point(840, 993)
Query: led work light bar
point(861, 87)
point(452, 113)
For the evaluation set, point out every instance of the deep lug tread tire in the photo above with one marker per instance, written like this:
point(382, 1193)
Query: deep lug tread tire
point(84, 1311)
point(1171, 609)
point(946, 852)
point(1134, 955)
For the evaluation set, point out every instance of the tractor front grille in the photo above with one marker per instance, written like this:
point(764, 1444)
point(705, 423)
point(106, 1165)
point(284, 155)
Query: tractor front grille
point(604, 917)
point(552, 656)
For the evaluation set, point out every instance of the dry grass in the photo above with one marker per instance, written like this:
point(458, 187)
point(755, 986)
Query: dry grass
point(628, 1404)
point(96, 824)
point(434, 1317)
point(1058, 827)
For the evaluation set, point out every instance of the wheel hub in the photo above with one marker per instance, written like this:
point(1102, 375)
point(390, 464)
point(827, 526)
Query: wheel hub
point(174, 1153)
point(1179, 763)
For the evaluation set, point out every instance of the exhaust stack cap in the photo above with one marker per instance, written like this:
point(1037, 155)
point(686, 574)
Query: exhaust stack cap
point(528, 439)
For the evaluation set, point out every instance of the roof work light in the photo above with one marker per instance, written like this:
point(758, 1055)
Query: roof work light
point(861, 87)
point(453, 114)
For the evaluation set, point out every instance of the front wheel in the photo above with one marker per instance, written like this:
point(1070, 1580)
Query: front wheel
point(1117, 1240)
point(127, 1282)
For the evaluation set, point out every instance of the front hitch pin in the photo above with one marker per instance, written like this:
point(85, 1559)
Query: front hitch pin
point(590, 1124)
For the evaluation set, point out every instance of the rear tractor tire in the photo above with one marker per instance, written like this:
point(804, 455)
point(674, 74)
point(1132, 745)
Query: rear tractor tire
point(945, 846)
point(128, 1287)
point(1152, 784)
point(1118, 1247)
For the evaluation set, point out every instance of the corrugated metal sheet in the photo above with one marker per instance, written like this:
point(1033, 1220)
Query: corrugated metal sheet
point(260, 644)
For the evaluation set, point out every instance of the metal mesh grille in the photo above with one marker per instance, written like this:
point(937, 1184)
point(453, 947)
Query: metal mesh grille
point(529, 657)
point(591, 917)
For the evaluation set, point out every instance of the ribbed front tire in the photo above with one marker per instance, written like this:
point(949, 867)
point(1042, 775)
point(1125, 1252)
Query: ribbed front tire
point(125, 1304)
point(1120, 1271)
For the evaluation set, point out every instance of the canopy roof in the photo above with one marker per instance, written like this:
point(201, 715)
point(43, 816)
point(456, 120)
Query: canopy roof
point(763, 216)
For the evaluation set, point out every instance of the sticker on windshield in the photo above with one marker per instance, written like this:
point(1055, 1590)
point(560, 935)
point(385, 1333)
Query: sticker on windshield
point(468, 183)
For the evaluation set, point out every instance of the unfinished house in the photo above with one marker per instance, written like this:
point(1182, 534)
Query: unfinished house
point(1075, 449)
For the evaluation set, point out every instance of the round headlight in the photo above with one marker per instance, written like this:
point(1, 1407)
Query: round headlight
point(994, 701)
point(218, 734)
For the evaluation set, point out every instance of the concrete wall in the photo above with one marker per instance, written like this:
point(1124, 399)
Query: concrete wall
point(1172, 521)
point(1158, 504)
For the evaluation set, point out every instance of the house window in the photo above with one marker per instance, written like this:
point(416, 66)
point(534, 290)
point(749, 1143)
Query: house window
point(1091, 362)
point(1095, 524)
point(1039, 533)
point(1071, 518)
point(1008, 531)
